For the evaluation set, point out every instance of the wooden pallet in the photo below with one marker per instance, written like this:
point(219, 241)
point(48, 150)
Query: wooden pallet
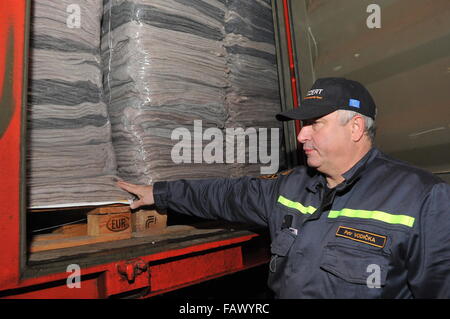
point(148, 221)
point(109, 223)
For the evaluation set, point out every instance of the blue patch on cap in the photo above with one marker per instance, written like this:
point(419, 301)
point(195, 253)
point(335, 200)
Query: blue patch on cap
point(354, 103)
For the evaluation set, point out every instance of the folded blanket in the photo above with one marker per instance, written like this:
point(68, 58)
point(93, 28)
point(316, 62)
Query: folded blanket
point(70, 158)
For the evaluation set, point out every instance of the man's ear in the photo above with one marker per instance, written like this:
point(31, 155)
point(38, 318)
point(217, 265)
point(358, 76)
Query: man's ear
point(357, 127)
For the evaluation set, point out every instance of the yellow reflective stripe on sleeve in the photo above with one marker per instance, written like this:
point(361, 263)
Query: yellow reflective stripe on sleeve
point(373, 214)
point(296, 205)
point(352, 213)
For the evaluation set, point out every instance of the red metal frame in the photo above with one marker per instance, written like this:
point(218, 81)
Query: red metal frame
point(12, 57)
point(166, 271)
point(287, 22)
point(163, 272)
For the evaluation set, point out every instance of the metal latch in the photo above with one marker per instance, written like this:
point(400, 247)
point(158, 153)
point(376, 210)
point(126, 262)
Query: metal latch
point(132, 268)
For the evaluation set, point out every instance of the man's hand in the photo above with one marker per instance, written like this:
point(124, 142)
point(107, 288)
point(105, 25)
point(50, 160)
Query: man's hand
point(143, 192)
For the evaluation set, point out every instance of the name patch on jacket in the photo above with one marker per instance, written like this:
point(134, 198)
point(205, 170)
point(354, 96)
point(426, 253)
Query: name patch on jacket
point(362, 236)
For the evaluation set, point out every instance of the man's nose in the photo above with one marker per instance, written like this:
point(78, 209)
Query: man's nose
point(304, 134)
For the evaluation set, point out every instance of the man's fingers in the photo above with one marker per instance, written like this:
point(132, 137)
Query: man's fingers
point(139, 190)
point(128, 187)
point(125, 184)
point(136, 204)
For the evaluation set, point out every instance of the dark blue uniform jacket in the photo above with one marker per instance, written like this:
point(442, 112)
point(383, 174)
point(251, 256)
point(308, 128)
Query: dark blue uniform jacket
point(382, 233)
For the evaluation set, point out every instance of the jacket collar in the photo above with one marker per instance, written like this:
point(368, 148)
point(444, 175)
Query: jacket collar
point(350, 177)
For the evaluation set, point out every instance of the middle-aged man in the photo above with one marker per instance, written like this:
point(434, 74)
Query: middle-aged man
point(355, 223)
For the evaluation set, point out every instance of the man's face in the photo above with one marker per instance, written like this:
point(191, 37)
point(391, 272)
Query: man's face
point(326, 143)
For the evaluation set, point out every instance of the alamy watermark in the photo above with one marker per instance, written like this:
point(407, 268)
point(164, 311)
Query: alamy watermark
point(374, 19)
point(74, 278)
point(374, 279)
point(73, 20)
point(189, 148)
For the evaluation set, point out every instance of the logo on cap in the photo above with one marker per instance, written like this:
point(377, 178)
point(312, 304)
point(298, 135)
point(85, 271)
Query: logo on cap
point(314, 92)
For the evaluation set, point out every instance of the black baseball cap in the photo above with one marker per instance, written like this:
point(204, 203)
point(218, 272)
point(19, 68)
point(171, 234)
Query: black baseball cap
point(331, 94)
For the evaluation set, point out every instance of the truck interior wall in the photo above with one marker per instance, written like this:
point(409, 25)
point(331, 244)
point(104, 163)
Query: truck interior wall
point(404, 63)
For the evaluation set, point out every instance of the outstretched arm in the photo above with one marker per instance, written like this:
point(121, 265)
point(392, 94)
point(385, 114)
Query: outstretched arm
point(245, 199)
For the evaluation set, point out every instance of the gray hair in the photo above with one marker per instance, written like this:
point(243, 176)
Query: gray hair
point(369, 124)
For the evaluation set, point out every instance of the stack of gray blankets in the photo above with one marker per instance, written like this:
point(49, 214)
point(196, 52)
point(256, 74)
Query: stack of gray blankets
point(165, 67)
point(105, 99)
point(168, 63)
point(253, 95)
point(70, 154)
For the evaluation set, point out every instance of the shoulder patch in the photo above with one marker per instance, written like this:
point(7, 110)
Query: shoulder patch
point(275, 176)
point(287, 172)
point(271, 176)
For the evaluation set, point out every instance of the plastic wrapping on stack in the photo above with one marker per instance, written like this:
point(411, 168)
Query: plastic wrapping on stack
point(70, 159)
point(165, 67)
point(253, 100)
